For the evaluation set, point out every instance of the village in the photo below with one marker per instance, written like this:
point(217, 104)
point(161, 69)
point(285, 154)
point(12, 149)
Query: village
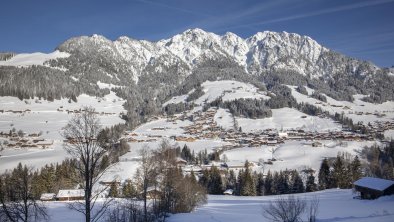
point(13, 139)
point(204, 127)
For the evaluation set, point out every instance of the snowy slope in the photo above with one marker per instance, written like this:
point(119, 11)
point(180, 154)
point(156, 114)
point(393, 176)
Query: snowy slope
point(227, 89)
point(292, 155)
point(37, 58)
point(350, 109)
point(288, 118)
point(44, 116)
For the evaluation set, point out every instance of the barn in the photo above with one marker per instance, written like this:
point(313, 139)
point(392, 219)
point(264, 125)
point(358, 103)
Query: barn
point(372, 188)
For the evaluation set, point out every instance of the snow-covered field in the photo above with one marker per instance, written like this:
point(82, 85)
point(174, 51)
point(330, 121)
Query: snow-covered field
point(333, 106)
point(224, 119)
point(288, 118)
point(44, 117)
point(334, 205)
point(291, 155)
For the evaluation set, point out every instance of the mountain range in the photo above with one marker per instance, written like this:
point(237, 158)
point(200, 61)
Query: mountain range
point(148, 73)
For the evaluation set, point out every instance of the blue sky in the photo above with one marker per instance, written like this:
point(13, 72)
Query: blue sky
point(359, 28)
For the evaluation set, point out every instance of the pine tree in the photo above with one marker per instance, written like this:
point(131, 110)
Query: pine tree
point(268, 184)
point(297, 184)
point(113, 190)
point(128, 189)
point(283, 183)
point(340, 173)
point(310, 183)
point(355, 169)
point(248, 188)
point(260, 184)
point(215, 181)
point(240, 182)
point(324, 175)
point(232, 180)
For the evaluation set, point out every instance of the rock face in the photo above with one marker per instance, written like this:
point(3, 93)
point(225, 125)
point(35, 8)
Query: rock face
point(264, 51)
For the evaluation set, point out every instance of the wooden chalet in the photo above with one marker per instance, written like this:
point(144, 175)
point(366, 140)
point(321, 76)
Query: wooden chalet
point(153, 193)
point(372, 188)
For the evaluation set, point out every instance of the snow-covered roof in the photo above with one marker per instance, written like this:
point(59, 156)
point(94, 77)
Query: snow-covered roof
point(228, 191)
point(374, 183)
point(47, 196)
point(71, 193)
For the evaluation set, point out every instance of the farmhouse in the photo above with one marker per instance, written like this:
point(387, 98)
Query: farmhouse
point(153, 193)
point(372, 188)
point(180, 162)
point(64, 195)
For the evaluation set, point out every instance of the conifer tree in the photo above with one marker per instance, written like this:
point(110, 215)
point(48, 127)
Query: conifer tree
point(113, 190)
point(128, 189)
point(268, 184)
point(324, 175)
point(215, 185)
point(310, 183)
point(355, 169)
point(340, 173)
point(248, 188)
point(297, 184)
point(260, 184)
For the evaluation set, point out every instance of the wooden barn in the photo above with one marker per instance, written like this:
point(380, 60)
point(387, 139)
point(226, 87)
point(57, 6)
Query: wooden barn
point(372, 188)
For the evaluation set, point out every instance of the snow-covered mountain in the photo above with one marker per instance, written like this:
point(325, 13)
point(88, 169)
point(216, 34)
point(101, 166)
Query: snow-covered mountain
point(264, 51)
point(152, 72)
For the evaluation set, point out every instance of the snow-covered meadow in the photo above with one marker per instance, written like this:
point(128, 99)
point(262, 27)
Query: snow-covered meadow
point(289, 118)
point(48, 118)
point(352, 110)
point(334, 205)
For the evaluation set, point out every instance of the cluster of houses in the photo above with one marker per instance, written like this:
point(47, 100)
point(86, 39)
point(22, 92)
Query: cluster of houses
point(204, 127)
point(32, 140)
point(15, 111)
point(61, 109)
point(380, 126)
point(64, 195)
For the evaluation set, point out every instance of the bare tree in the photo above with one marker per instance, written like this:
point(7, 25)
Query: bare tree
point(261, 163)
point(272, 150)
point(17, 200)
point(285, 209)
point(313, 209)
point(81, 133)
point(146, 175)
